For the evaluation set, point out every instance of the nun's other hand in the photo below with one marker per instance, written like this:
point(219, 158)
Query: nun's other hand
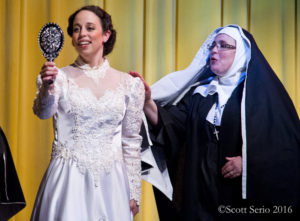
point(233, 167)
point(133, 207)
point(147, 87)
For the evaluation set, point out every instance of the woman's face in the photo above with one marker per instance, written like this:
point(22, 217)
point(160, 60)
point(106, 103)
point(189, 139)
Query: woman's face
point(88, 36)
point(222, 55)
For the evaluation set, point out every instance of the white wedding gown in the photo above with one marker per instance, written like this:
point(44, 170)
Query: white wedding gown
point(95, 165)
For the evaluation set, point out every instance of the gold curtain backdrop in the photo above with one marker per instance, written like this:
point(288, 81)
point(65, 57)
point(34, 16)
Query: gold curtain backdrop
point(154, 37)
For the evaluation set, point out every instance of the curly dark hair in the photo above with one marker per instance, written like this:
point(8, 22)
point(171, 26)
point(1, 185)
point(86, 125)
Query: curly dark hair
point(105, 20)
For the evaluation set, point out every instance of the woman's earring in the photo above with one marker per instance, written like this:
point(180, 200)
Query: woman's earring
point(102, 43)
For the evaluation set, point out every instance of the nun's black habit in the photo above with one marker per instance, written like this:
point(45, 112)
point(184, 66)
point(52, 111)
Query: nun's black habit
point(11, 195)
point(265, 123)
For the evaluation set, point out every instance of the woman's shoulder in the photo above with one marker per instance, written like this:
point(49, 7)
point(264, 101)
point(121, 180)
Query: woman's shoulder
point(133, 86)
point(113, 71)
point(126, 78)
point(134, 83)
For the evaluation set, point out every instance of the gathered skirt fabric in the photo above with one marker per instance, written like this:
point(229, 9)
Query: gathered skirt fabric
point(67, 194)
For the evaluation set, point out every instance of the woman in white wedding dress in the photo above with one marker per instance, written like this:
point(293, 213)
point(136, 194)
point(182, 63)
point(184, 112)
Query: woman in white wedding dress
point(94, 173)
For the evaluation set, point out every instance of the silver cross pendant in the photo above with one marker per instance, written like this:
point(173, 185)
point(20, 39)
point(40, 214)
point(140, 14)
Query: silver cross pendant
point(216, 132)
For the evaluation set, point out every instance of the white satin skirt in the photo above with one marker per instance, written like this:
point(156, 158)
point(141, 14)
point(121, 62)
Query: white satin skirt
point(67, 194)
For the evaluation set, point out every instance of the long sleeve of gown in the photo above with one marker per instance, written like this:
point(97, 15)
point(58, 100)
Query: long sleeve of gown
point(46, 101)
point(131, 140)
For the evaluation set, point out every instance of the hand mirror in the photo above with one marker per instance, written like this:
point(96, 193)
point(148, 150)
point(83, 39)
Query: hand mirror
point(51, 40)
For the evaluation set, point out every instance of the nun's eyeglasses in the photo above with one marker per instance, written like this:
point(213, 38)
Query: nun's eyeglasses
point(221, 46)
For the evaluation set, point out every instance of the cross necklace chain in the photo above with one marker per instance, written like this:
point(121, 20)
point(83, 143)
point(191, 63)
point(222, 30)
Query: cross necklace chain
point(216, 132)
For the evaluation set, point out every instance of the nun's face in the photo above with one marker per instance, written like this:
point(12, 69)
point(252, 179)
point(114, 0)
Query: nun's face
point(222, 54)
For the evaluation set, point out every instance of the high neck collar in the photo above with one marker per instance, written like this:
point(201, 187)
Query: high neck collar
point(79, 62)
point(95, 72)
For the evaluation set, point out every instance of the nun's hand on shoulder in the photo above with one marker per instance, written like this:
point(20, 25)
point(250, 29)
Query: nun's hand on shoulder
point(233, 167)
point(147, 87)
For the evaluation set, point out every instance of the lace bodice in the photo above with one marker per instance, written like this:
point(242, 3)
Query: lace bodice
point(97, 113)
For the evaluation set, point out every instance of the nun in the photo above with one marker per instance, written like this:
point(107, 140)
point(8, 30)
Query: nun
point(233, 123)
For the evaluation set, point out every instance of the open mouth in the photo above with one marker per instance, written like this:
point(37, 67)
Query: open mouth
point(213, 60)
point(83, 43)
